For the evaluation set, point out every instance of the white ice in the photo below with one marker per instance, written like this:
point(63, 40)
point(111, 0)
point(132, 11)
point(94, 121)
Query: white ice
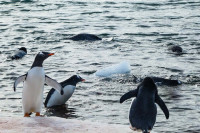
point(121, 68)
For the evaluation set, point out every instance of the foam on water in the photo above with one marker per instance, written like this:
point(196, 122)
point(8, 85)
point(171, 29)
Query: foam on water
point(107, 39)
point(121, 68)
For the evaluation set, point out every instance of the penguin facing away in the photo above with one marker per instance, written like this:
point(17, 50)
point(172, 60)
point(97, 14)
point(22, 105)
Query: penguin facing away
point(54, 98)
point(143, 109)
point(33, 86)
point(19, 54)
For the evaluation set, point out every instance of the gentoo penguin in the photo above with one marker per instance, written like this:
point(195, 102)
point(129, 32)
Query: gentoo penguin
point(19, 54)
point(54, 98)
point(33, 87)
point(143, 109)
point(85, 37)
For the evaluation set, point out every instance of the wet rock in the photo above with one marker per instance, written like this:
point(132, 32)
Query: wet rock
point(175, 48)
point(85, 37)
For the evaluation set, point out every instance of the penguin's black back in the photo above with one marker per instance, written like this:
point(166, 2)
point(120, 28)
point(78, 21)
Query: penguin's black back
point(143, 109)
point(143, 114)
point(73, 80)
point(49, 96)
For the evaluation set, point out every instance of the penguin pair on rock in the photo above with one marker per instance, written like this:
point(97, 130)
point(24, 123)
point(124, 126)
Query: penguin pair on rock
point(143, 109)
point(33, 87)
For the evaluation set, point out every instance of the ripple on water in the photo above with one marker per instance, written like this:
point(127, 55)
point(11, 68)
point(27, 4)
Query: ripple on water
point(141, 30)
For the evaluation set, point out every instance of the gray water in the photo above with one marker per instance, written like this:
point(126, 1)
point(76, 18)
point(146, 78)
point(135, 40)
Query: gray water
point(140, 32)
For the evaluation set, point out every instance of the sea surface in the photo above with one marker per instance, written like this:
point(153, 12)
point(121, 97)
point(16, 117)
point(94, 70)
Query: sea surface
point(136, 31)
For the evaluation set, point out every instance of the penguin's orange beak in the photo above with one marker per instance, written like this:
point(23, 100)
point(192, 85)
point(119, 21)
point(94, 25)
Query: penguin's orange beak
point(83, 80)
point(51, 54)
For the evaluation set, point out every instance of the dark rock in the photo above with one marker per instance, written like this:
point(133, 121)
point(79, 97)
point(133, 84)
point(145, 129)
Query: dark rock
point(85, 37)
point(175, 48)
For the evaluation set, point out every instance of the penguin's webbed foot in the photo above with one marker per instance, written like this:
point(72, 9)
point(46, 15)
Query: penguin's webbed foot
point(38, 114)
point(26, 115)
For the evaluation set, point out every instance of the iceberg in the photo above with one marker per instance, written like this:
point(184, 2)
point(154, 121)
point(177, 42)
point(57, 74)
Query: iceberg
point(121, 68)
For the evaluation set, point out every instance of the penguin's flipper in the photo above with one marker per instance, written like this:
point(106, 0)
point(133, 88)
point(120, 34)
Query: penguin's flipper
point(19, 80)
point(53, 83)
point(128, 95)
point(162, 105)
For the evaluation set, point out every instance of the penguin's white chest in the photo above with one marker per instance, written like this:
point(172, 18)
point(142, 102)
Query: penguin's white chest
point(35, 79)
point(33, 90)
point(57, 99)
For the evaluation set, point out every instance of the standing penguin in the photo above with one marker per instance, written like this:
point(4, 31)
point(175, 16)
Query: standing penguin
point(143, 109)
point(54, 98)
point(33, 87)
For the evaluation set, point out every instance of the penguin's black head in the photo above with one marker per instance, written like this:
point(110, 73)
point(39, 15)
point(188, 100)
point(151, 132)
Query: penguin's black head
point(23, 49)
point(149, 83)
point(77, 78)
point(40, 57)
point(73, 80)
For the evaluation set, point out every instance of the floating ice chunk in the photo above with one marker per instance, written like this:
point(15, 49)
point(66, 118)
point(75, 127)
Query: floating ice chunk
point(107, 39)
point(121, 68)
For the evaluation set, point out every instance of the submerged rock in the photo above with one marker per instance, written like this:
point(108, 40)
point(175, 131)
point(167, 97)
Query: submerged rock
point(168, 82)
point(157, 80)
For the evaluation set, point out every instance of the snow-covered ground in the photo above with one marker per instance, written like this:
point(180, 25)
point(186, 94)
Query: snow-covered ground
point(57, 125)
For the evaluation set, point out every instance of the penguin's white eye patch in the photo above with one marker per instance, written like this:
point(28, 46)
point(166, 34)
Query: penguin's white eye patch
point(78, 77)
point(41, 53)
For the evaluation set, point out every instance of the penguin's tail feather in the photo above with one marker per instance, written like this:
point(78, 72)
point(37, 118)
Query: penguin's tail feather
point(145, 131)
